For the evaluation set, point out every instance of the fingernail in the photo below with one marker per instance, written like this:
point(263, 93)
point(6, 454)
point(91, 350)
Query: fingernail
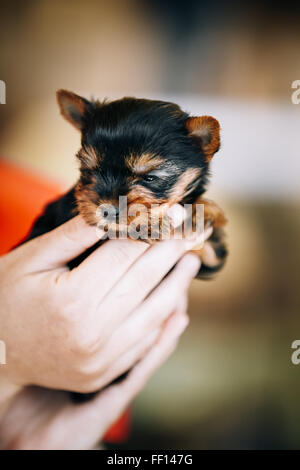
point(194, 240)
point(208, 231)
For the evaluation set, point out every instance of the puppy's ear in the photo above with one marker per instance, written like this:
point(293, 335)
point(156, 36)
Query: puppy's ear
point(73, 107)
point(205, 131)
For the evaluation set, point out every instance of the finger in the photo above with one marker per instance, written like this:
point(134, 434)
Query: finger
point(107, 265)
point(127, 360)
point(182, 304)
point(124, 392)
point(166, 344)
point(201, 240)
point(131, 357)
point(102, 269)
point(208, 255)
point(155, 309)
point(145, 274)
point(61, 245)
point(87, 422)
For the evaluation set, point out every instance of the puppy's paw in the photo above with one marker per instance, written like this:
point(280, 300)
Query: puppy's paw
point(213, 254)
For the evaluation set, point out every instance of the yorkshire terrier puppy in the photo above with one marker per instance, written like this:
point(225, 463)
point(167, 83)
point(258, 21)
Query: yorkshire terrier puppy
point(149, 151)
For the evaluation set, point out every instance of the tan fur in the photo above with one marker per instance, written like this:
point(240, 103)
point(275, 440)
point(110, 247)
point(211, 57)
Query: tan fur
point(142, 164)
point(89, 158)
point(212, 213)
point(207, 130)
point(179, 191)
point(87, 203)
point(65, 100)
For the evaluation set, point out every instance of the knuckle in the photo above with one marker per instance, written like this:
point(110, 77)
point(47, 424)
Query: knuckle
point(89, 370)
point(85, 343)
point(85, 386)
point(71, 310)
point(86, 376)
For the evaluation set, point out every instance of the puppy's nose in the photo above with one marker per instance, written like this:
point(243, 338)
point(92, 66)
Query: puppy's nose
point(113, 214)
point(110, 213)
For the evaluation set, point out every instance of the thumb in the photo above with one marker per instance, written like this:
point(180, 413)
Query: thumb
point(56, 248)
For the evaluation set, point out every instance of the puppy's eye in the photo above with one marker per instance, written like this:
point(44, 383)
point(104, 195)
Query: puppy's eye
point(150, 178)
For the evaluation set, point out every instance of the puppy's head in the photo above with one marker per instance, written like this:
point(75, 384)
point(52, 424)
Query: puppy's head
point(149, 151)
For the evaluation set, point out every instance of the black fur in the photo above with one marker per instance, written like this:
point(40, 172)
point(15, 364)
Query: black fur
point(123, 128)
point(138, 126)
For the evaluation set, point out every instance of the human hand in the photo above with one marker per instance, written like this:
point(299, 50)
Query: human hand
point(45, 419)
point(78, 330)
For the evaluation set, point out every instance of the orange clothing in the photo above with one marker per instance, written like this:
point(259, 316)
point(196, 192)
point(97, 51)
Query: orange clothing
point(23, 196)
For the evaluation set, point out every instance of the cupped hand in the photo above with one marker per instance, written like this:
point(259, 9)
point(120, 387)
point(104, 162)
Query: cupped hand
point(45, 419)
point(78, 330)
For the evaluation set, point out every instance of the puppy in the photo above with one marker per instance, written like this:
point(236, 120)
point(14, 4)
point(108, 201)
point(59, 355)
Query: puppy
point(150, 152)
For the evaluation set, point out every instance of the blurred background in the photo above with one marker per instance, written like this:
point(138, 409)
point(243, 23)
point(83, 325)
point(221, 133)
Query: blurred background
point(231, 383)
